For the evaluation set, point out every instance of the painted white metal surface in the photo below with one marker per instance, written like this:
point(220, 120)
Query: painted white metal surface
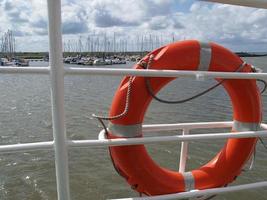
point(146, 129)
point(149, 140)
point(183, 153)
point(199, 193)
point(264, 126)
point(57, 98)
point(199, 75)
point(249, 3)
point(26, 147)
point(102, 141)
point(153, 128)
point(164, 73)
point(189, 126)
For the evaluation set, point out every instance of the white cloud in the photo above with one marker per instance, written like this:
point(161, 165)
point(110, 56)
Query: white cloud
point(233, 26)
point(226, 24)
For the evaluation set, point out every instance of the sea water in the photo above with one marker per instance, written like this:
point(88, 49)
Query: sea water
point(25, 116)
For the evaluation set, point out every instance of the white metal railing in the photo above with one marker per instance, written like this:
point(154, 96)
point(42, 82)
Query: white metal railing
point(199, 75)
point(57, 98)
point(60, 143)
point(186, 127)
point(184, 138)
point(201, 193)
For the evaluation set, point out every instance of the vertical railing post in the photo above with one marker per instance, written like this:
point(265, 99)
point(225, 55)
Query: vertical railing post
point(184, 152)
point(57, 98)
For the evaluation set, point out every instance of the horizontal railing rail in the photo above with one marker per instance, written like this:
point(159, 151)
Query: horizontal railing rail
point(200, 75)
point(9, 148)
point(102, 141)
point(201, 193)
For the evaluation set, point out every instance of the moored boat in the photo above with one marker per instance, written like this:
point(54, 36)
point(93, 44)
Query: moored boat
point(5, 62)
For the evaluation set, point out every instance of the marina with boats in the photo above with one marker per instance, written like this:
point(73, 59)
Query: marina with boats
point(8, 51)
point(9, 56)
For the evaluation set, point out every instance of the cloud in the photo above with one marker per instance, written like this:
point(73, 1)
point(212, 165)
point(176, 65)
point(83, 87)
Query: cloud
point(40, 23)
point(157, 7)
point(233, 26)
point(74, 27)
point(16, 13)
point(18, 33)
point(74, 19)
point(7, 5)
point(164, 23)
point(226, 23)
point(156, 24)
point(30, 43)
point(103, 18)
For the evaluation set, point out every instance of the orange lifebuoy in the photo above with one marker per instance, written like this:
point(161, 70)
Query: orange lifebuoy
point(134, 163)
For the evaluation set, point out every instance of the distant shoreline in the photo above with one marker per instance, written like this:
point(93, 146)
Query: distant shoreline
point(41, 55)
point(250, 54)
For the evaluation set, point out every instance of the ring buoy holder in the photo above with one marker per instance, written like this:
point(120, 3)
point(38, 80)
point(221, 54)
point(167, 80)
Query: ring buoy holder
point(134, 163)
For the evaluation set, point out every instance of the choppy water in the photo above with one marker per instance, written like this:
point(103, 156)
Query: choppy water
point(25, 116)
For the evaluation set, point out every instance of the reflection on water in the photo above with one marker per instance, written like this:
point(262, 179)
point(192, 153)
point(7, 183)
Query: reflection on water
point(26, 117)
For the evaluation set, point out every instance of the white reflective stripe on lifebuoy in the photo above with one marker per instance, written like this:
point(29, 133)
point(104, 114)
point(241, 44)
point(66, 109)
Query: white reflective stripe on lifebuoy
point(189, 181)
point(205, 56)
point(126, 131)
point(245, 126)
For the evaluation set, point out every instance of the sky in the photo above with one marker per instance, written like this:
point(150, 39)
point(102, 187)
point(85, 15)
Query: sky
point(237, 28)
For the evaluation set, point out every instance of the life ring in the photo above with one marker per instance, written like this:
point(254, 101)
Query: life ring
point(134, 163)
